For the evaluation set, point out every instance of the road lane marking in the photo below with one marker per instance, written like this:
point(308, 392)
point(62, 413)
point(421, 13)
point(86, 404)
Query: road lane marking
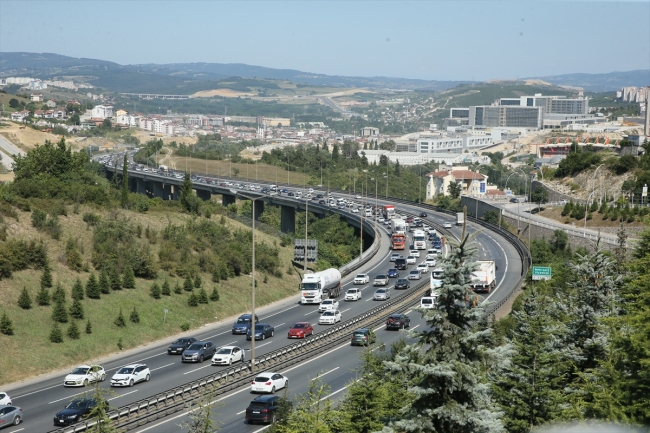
point(20, 429)
point(34, 392)
point(197, 369)
point(122, 395)
point(260, 345)
point(287, 309)
point(315, 311)
point(158, 368)
point(277, 326)
point(66, 398)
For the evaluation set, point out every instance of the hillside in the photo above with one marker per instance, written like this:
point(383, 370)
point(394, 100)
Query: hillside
point(602, 82)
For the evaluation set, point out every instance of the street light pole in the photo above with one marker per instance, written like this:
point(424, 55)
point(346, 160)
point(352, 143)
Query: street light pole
point(584, 230)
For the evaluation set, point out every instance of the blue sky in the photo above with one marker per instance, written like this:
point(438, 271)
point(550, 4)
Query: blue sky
point(437, 40)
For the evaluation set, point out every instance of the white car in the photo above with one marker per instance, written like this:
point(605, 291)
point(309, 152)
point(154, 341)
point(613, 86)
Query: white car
point(410, 260)
point(85, 374)
point(394, 257)
point(5, 400)
point(447, 225)
point(226, 355)
point(355, 210)
point(358, 197)
point(353, 295)
point(414, 253)
point(381, 295)
point(328, 304)
point(329, 317)
point(387, 222)
point(380, 280)
point(362, 279)
point(130, 375)
point(380, 219)
point(269, 382)
point(423, 268)
point(415, 275)
point(430, 261)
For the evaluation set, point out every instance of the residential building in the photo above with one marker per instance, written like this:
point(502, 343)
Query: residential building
point(36, 98)
point(369, 132)
point(472, 183)
point(51, 103)
point(19, 116)
point(102, 112)
point(451, 143)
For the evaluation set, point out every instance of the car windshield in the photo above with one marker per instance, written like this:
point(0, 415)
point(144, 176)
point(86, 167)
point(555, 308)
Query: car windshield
point(427, 301)
point(243, 320)
point(195, 346)
point(299, 325)
point(76, 404)
point(414, 272)
point(125, 370)
point(352, 291)
point(224, 351)
point(259, 327)
point(328, 313)
point(180, 341)
point(381, 291)
point(361, 276)
point(261, 379)
point(381, 277)
point(359, 333)
point(327, 302)
point(80, 370)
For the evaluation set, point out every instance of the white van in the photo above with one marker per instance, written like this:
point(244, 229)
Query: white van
point(429, 302)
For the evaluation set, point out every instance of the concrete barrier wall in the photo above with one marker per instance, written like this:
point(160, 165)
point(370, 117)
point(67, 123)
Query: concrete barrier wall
point(472, 208)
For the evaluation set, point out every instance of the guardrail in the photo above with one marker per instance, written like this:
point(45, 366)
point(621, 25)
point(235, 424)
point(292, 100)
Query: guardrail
point(174, 400)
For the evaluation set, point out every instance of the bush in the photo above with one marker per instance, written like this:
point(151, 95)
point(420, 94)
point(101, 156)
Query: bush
point(24, 300)
point(73, 331)
point(203, 296)
point(119, 321)
point(155, 290)
point(104, 283)
point(188, 285)
point(38, 219)
point(55, 334)
point(193, 300)
point(89, 327)
point(76, 309)
point(92, 287)
point(177, 288)
point(46, 277)
point(185, 326)
point(6, 326)
point(18, 254)
point(43, 297)
point(165, 290)
point(197, 282)
point(128, 280)
point(135, 317)
point(114, 278)
point(91, 219)
point(59, 294)
point(214, 296)
point(77, 290)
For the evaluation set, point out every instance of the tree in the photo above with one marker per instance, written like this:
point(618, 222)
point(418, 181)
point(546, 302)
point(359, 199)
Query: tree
point(202, 416)
point(189, 200)
point(43, 297)
point(119, 321)
point(177, 288)
point(214, 296)
point(165, 290)
point(135, 317)
point(197, 281)
point(203, 296)
point(6, 326)
point(539, 195)
point(335, 152)
point(59, 313)
point(193, 300)
point(104, 283)
point(188, 285)
point(92, 287)
point(313, 412)
point(77, 290)
point(24, 300)
point(114, 278)
point(155, 290)
point(454, 189)
point(128, 279)
point(397, 168)
point(89, 327)
point(124, 199)
point(13, 103)
point(559, 241)
point(107, 123)
point(55, 334)
point(76, 309)
point(73, 331)
point(46, 277)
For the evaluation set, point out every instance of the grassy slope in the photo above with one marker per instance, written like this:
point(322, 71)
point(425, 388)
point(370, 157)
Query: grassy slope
point(31, 345)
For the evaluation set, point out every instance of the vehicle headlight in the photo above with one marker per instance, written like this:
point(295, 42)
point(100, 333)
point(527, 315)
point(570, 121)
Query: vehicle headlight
point(72, 416)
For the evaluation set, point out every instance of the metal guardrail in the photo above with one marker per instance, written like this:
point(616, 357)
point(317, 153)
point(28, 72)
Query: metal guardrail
point(174, 400)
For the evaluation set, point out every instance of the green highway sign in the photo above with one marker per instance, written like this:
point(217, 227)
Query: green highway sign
point(542, 273)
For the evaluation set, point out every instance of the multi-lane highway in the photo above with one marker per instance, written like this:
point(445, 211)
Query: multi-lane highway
point(41, 400)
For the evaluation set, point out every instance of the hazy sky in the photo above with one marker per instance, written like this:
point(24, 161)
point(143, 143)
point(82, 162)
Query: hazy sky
point(414, 39)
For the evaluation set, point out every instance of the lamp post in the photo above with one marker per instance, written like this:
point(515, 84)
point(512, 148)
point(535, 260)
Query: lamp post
point(375, 212)
point(584, 230)
point(386, 177)
point(601, 183)
point(252, 323)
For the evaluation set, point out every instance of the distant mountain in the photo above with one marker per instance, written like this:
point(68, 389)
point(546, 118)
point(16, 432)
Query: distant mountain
point(601, 82)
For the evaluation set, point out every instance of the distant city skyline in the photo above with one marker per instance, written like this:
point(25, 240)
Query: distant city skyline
point(431, 40)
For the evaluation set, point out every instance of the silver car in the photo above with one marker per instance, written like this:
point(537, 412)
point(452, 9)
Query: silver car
point(380, 280)
point(381, 294)
point(10, 415)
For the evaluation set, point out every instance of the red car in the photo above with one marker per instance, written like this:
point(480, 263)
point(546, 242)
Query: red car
point(301, 330)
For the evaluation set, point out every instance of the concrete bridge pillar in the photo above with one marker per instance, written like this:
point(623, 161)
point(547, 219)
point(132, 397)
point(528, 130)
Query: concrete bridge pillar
point(167, 191)
point(141, 186)
point(157, 189)
point(259, 209)
point(227, 199)
point(287, 219)
point(203, 194)
point(176, 192)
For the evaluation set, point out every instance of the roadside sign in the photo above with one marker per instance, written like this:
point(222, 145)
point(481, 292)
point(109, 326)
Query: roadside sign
point(508, 193)
point(542, 273)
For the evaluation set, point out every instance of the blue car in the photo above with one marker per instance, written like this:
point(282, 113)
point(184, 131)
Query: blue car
point(243, 323)
point(262, 330)
point(393, 273)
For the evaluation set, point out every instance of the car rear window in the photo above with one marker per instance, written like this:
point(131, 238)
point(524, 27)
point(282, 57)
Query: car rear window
point(258, 405)
point(427, 301)
point(261, 379)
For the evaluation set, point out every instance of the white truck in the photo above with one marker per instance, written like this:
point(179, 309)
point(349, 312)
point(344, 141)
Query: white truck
point(436, 278)
point(484, 279)
point(460, 218)
point(398, 226)
point(320, 285)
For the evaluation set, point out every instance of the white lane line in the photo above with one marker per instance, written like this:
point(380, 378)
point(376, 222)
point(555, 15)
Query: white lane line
point(277, 326)
point(504, 272)
point(158, 368)
point(328, 372)
point(34, 392)
point(122, 395)
point(287, 309)
point(343, 311)
point(334, 393)
point(197, 369)
point(416, 326)
point(239, 413)
point(260, 345)
point(20, 429)
point(66, 398)
point(216, 335)
point(315, 311)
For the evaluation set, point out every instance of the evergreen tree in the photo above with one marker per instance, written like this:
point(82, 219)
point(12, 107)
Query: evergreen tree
point(55, 334)
point(197, 281)
point(99, 412)
point(114, 278)
point(77, 290)
point(43, 297)
point(59, 293)
point(46, 276)
point(189, 200)
point(155, 290)
point(214, 296)
point(119, 321)
point(177, 288)
point(313, 412)
point(76, 309)
point(92, 287)
point(188, 285)
point(104, 283)
point(6, 326)
point(193, 300)
point(202, 416)
point(165, 290)
point(89, 327)
point(59, 313)
point(73, 331)
point(24, 300)
point(397, 168)
point(124, 199)
point(128, 281)
point(223, 271)
point(135, 317)
point(216, 275)
point(203, 296)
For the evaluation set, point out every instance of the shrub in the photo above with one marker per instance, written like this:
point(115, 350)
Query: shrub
point(76, 309)
point(104, 283)
point(119, 344)
point(114, 278)
point(203, 296)
point(43, 297)
point(214, 296)
point(77, 290)
point(59, 294)
point(89, 327)
point(73, 257)
point(188, 285)
point(24, 300)
point(119, 321)
point(73, 331)
point(134, 317)
point(193, 300)
point(197, 281)
point(91, 219)
point(128, 280)
point(55, 334)
point(216, 275)
point(38, 219)
point(165, 289)
point(92, 287)
point(185, 326)
point(53, 227)
point(6, 326)
point(46, 277)
point(177, 288)
point(155, 290)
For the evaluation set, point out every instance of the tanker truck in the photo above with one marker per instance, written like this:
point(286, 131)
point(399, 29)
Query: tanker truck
point(319, 286)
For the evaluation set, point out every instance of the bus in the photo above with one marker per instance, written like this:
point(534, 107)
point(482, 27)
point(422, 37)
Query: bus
point(419, 240)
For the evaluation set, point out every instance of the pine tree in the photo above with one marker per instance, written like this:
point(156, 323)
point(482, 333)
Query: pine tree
point(135, 317)
point(24, 300)
point(55, 334)
point(92, 287)
point(77, 290)
point(89, 327)
point(128, 281)
point(46, 277)
point(73, 331)
point(76, 309)
point(59, 293)
point(155, 290)
point(165, 290)
point(223, 269)
point(43, 297)
point(104, 282)
point(216, 275)
point(119, 321)
point(203, 296)
point(59, 313)
point(193, 300)
point(177, 288)
point(114, 278)
point(197, 282)
point(188, 285)
point(6, 326)
point(214, 296)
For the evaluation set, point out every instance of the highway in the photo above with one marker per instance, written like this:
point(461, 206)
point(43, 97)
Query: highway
point(9, 150)
point(41, 400)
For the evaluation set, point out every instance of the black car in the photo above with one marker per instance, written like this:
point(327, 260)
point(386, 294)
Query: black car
point(264, 408)
point(242, 324)
point(180, 345)
point(514, 200)
point(262, 330)
point(319, 195)
point(362, 337)
point(423, 214)
point(398, 321)
point(400, 263)
point(322, 202)
point(76, 410)
point(402, 283)
point(265, 190)
point(290, 194)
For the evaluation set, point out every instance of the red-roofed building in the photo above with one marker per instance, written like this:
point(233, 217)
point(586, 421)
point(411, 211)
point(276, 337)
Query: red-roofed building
point(472, 183)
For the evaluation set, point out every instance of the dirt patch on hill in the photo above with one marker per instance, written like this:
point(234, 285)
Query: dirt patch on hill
point(27, 138)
